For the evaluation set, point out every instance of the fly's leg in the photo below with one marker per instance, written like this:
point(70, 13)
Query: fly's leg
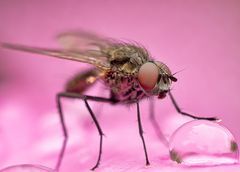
point(65, 132)
point(99, 131)
point(187, 114)
point(141, 133)
point(154, 123)
point(85, 99)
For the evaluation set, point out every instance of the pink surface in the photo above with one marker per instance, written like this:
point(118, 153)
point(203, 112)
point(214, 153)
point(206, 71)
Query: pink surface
point(201, 37)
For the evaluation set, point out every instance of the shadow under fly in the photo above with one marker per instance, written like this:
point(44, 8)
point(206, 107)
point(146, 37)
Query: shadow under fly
point(127, 70)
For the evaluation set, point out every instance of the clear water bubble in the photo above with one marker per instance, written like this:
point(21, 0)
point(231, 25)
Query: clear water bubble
point(203, 143)
point(27, 168)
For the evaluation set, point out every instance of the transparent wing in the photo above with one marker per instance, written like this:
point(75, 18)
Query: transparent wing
point(84, 41)
point(95, 58)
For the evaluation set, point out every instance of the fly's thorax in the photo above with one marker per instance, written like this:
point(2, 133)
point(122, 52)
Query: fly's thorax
point(124, 86)
point(125, 60)
point(127, 57)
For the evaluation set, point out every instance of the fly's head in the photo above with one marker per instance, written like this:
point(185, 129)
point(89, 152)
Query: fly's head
point(155, 78)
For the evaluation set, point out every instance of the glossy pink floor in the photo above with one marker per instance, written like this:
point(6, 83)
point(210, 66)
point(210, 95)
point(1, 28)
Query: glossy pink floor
point(201, 37)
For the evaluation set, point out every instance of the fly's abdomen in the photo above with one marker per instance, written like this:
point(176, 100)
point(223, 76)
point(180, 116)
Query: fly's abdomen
point(83, 81)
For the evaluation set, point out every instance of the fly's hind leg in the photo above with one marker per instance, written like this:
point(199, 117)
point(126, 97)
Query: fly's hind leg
point(187, 114)
point(85, 98)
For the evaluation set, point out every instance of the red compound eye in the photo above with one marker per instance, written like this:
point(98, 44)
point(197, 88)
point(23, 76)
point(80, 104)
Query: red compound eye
point(148, 76)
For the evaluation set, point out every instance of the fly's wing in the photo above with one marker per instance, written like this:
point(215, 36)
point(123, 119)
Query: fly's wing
point(97, 58)
point(81, 40)
point(91, 45)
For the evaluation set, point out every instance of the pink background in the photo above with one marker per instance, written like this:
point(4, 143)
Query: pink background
point(202, 37)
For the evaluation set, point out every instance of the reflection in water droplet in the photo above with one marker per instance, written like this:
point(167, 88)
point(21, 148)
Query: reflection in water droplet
point(27, 168)
point(203, 143)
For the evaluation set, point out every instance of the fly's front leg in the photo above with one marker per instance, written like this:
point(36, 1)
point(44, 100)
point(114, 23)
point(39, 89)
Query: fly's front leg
point(154, 123)
point(187, 114)
point(85, 99)
point(141, 133)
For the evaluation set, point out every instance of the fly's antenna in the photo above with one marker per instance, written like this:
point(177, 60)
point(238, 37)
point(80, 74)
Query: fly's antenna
point(178, 71)
point(172, 78)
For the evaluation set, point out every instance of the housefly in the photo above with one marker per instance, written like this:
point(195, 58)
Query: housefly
point(127, 69)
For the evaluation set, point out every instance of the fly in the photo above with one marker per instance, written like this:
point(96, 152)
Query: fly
point(127, 69)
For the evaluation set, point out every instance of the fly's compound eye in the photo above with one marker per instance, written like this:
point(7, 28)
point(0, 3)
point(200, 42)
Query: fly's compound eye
point(148, 76)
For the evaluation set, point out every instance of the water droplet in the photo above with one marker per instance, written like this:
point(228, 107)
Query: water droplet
point(203, 143)
point(27, 168)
